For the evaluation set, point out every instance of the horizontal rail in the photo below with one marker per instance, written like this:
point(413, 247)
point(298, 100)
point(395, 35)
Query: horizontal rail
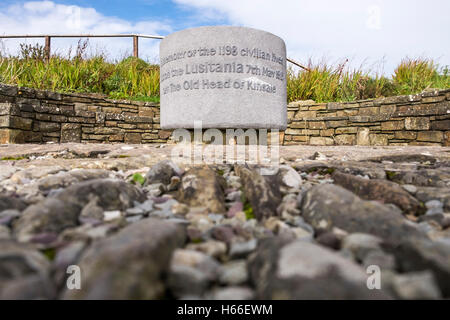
point(81, 36)
point(47, 38)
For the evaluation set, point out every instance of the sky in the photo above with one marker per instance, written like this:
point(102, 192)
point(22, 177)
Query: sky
point(375, 34)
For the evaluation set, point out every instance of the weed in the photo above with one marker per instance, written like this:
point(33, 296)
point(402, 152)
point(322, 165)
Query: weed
point(12, 158)
point(138, 178)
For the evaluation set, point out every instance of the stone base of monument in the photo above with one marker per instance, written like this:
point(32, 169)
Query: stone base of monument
point(239, 136)
point(223, 77)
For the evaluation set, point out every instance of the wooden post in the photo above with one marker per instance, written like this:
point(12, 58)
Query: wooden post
point(47, 48)
point(136, 46)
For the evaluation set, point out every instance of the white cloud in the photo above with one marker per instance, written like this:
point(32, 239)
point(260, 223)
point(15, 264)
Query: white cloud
point(47, 17)
point(354, 29)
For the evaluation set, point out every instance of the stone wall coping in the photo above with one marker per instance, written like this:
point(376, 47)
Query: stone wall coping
point(25, 92)
point(405, 99)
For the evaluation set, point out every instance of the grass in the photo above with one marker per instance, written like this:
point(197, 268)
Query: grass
point(12, 158)
point(135, 79)
point(130, 78)
point(325, 83)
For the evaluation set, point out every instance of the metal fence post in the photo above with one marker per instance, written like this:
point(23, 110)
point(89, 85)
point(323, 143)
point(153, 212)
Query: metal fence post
point(136, 46)
point(47, 48)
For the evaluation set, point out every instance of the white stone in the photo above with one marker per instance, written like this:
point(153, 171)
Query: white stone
point(111, 215)
point(225, 77)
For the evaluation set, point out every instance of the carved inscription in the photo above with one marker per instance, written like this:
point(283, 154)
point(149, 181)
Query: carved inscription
point(253, 75)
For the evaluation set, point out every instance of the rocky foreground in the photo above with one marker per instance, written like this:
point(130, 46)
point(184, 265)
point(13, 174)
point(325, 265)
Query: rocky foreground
point(141, 226)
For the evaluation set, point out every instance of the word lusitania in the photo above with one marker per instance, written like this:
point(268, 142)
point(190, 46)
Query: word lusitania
point(224, 68)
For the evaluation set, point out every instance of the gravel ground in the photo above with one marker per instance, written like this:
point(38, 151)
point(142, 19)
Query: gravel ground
point(341, 222)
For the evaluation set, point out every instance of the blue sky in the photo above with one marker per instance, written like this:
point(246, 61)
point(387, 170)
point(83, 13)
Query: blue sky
point(375, 33)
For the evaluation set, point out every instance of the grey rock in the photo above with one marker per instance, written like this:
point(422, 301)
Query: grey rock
point(234, 182)
point(434, 207)
point(132, 219)
point(441, 236)
point(129, 264)
point(49, 216)
point(174, 183)
point(197, 260)
point(234, 196)
point(417, 158)
point(422, 177)
point(289, 177)
point(301, 270)
point(146, 206)
point(418, 254)
point(91, 211)
point(318, 156)
point(155, 189)
point(426, 194)
point(438, 218)
point(410, 188)
point(234, 209)
point(329, 239)
point(434, 204)
point(216, 218)
point(379, 189)
point(65, 179)
point(5, 233)
point(223, 233)
point(162, 172)
point(213, 248)
point(180, 209)
point(34, 173)
point(56, 214)
point(66, 256)
point(416, 285)
point(112, 194)
point(19, 260)
point(361, 244)
point(288, 206)
point(31, 287)
point(11, 202)
point(233, 293)
point(242, 249)
point(164, 209)
point(233, 273)
point(134, 211)
point(185, 282)
point(191, 272)
point(263, 196)
point(328, 206)
point(381, 259)
point(90, 232)
point(428, 226)
point(435, 210)
point(6, 171)
point(203, 187)
point(7, 216)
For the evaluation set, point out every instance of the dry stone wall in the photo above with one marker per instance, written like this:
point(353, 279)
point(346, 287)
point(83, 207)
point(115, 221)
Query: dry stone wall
point(421, 119)
point(36, 116)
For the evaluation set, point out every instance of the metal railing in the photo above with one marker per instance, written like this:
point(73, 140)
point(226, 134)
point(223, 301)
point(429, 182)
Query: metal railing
point(48, 38)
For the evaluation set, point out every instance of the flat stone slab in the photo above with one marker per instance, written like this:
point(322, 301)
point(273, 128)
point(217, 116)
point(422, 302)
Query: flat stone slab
point(225, 77)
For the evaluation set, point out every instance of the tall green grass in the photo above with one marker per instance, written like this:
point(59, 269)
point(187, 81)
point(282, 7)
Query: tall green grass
point(129, 78)
point(324, 83)
point(133, 78)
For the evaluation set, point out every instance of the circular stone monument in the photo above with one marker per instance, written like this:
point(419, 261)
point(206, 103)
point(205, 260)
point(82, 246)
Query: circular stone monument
point(225, 77)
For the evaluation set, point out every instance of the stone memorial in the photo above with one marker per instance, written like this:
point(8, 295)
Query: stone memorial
point(225, 77)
